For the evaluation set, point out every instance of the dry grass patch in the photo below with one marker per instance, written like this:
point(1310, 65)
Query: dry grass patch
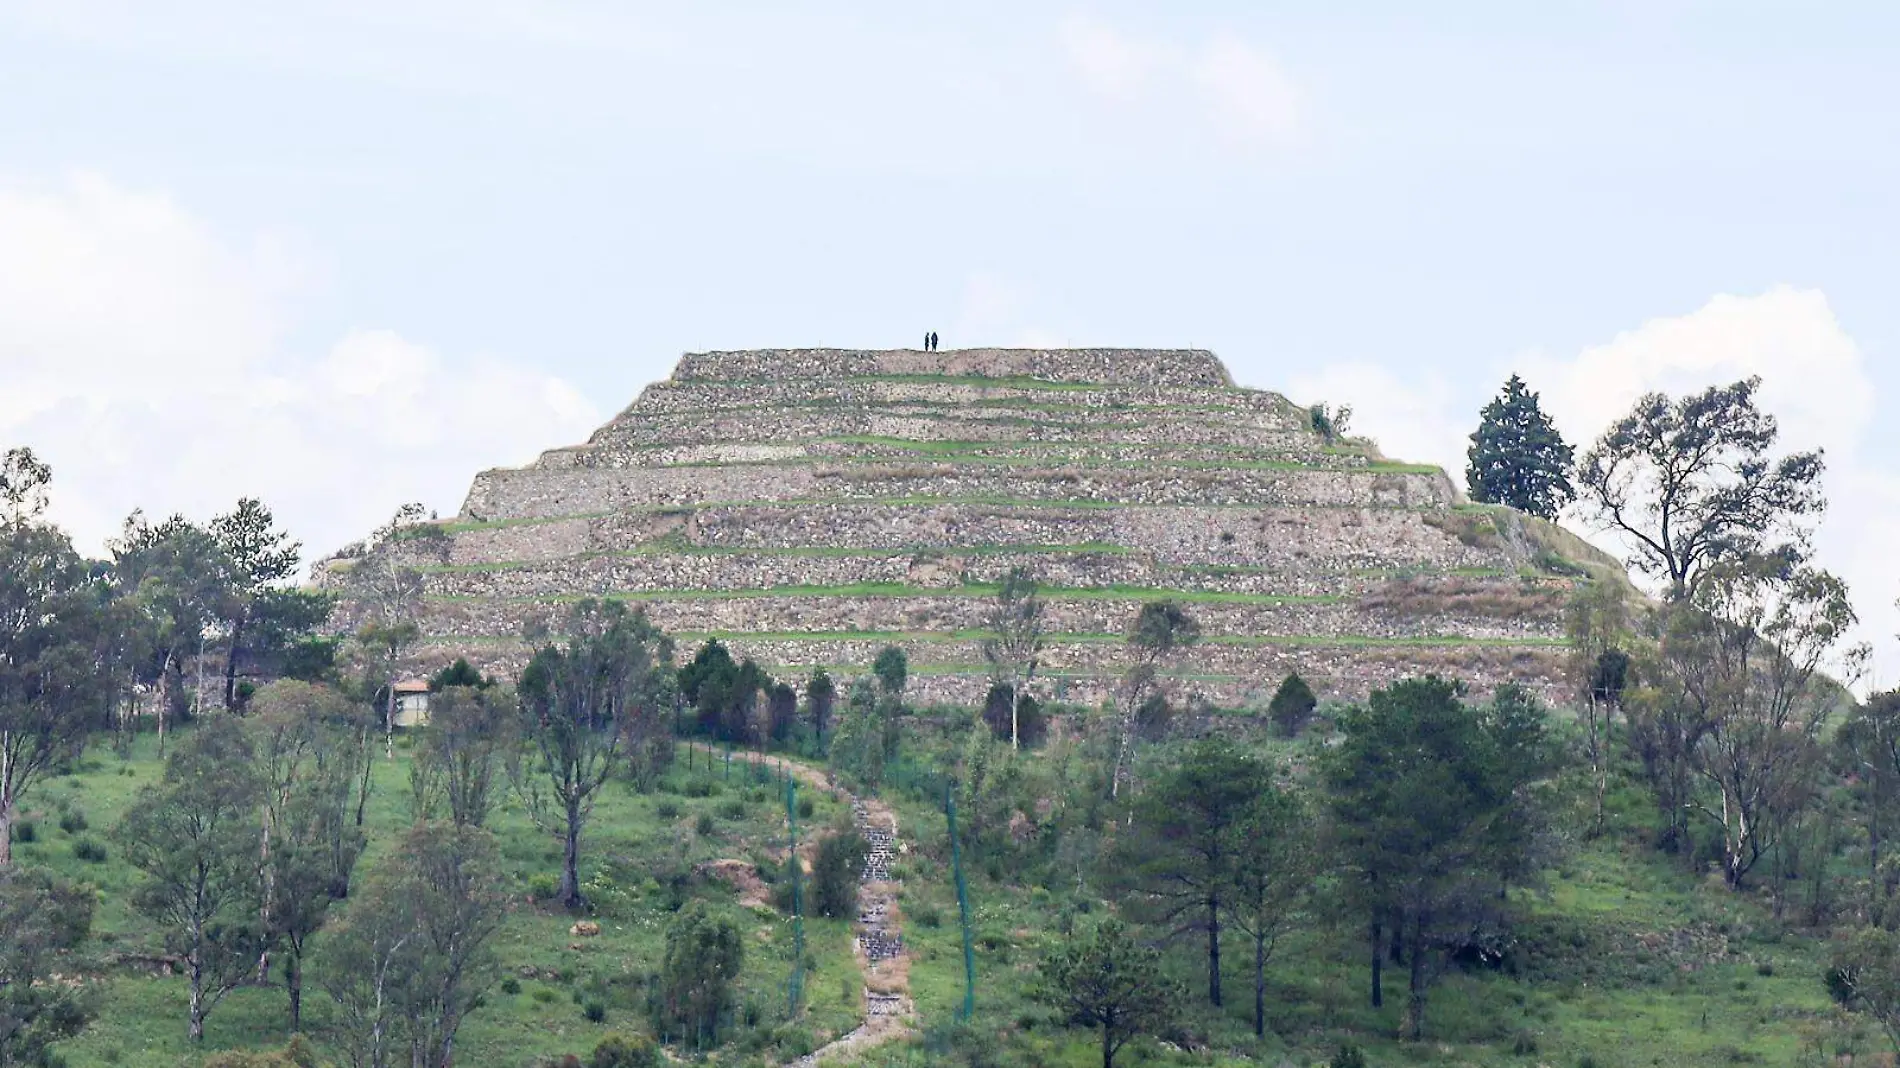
point(1423, 595)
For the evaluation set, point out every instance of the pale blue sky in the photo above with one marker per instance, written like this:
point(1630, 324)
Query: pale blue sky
point(1354, 202)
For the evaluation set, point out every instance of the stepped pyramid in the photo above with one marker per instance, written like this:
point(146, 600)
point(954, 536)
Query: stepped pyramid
point(810, 506)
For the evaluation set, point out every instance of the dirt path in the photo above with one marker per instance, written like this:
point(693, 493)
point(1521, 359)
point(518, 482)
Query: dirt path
point(888, 1010)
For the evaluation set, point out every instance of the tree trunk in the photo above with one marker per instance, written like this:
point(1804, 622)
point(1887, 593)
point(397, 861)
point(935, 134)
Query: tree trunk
point(230, 664)
point(1015, 704)
point(1876, 891)
point(389, 722)
point(1108, 1046)
point(196, 1030)
point(1378, 965)
point(293, 981)
point(6, 832)
point(1260, 983)
point(570, 859)
point(1213, 950)
point(1415, 989)
point(362, 755)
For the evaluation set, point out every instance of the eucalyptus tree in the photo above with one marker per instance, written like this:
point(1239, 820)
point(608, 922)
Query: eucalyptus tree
point(1691, 482)
point(574, 700)
point(1159, 631)
point(460, 754)
point(176, 581)
point(413, 956)
point(41, 918)
point(1014, 646)
point(300, 735)
point(1749, 654)
point(56, 677)
point(195, 838)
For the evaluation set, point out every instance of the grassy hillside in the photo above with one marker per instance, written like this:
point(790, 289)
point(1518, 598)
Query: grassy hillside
point(1621, 959)
point(638, 863)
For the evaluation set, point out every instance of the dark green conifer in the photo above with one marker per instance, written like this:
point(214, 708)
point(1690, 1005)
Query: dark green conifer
point(1517, 457)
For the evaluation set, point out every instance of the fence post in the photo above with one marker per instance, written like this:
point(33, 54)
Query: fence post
point(963, 904)
point(795, 993)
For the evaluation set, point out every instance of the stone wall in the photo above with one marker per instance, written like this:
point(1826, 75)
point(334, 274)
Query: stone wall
point(1265, 410)
point(935, 423)
point(515, 494)
point(815, 504)
point(488, 618)
point(1173, 367)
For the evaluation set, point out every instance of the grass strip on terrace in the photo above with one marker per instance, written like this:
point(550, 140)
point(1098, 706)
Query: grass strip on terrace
point(981, 459)
point(1312, 641)
point(458, 526)
point(682, 548)
point(1354, 641)
point(1014, 403)
point(898, 589)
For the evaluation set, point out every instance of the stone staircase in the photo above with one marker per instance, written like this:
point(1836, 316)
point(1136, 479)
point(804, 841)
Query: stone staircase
point(878, 934)
point(879, 939)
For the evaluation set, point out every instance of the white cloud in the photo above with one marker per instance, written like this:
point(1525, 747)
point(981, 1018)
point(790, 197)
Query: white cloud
point(1814, 380)
point(1226, 81)
point(144, 362)
point(1254, 99)
point(1109, 61)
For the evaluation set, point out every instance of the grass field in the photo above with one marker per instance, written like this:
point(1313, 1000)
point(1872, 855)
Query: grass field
point(632, 856)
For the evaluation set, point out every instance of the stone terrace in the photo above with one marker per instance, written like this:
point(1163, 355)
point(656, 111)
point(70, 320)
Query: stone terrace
point(811, 505)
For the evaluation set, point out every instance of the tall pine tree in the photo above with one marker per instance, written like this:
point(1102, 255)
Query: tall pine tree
point(1517, 456)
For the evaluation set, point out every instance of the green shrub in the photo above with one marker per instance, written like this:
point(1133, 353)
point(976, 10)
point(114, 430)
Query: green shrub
point(25, 831)
point(625, 1051)
point(732, 810)
point(668, 809)
point(704, 954)
point(89, 851)
point(1348, 1056)
point(545, 995)
point(511, 985)
point(703, 826)
point(834, 875)
point(594, 1009)
point(544, 886)
point(72, 821)
point(805, 808)
point(1292, 706)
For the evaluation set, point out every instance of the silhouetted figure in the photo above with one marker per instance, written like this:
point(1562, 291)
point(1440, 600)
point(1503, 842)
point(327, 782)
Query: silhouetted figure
point(926, 342)
point(932, 341)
